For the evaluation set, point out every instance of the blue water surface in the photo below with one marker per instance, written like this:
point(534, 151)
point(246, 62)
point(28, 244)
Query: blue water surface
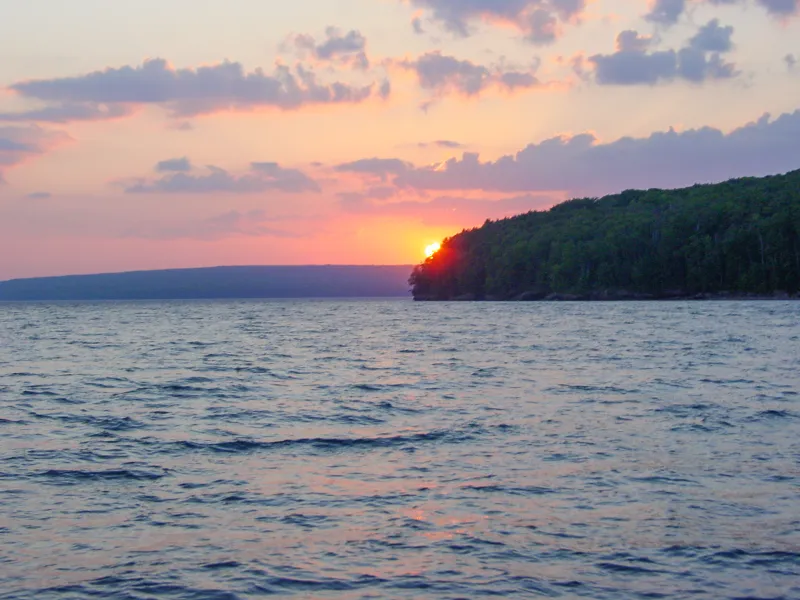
point(387, 449)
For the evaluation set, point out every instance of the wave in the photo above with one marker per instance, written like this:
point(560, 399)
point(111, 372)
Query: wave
point(530, 490)
point(378, 387)
point(107, 423)
point(774, 414)
point(331, 443)
point(80, 475)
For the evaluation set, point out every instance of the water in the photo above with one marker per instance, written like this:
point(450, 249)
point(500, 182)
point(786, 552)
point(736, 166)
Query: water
point(389, 449)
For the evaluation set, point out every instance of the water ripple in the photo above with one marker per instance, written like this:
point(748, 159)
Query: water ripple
point(385, 449)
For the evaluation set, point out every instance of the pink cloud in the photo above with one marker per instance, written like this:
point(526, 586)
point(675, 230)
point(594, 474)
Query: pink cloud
point(667, 13)
point(179, 176)
point(539, 21)
point(582, 164)
point(185, 92)
point(19, 144)
point(347, 49)
point(443, 75)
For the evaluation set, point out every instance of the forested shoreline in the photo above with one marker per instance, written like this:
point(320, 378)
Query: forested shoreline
point(740, 238)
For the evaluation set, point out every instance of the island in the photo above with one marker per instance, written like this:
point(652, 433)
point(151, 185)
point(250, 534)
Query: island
point(740, 238)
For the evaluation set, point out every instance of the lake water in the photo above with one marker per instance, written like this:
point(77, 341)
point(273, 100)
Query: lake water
point(387, 449)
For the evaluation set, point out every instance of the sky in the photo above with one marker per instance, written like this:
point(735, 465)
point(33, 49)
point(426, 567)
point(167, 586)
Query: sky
point(177, 133)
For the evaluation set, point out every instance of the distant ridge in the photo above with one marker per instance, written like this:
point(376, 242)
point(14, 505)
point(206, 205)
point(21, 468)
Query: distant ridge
point(328, 281)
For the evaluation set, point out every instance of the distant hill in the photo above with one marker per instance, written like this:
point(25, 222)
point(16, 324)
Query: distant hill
point(219, 282)
point(738, 238)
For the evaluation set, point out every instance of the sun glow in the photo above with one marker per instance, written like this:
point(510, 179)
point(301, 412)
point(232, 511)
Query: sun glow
point(432, 249)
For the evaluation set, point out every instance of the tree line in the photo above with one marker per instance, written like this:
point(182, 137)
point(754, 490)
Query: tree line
point(740, 237)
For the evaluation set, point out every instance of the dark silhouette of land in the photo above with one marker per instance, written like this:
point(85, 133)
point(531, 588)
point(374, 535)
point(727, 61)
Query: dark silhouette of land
point(218, 283)
point(740, 238)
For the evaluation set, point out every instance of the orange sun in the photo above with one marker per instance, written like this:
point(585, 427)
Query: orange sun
point(432, 249)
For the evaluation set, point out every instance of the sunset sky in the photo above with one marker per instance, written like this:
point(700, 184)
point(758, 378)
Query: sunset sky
point(177, 133)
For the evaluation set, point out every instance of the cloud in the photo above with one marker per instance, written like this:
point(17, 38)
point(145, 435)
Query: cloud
point(182, 126)
point(356, 199)
point(581, 164)
point(345, 48)
point(261, 177)
point(380, 192)
point(448, 210)
point(631, 41)
point(791, 61)
point(711, 37)
point(630, 67)
point(68, 112)
point(780, 8)
point(39, 196)
point(668, 12)
point(9, 145)
point(441, 144)
point(386, 89)
point(285, 180)
point(377, 167)
point(542, 27)
point(699, 61)
point(177, 165)
point(233, 223)
point(19, 144)
point(538, 20)
point(192, 91)
point(442, 74)
point(416, 25)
